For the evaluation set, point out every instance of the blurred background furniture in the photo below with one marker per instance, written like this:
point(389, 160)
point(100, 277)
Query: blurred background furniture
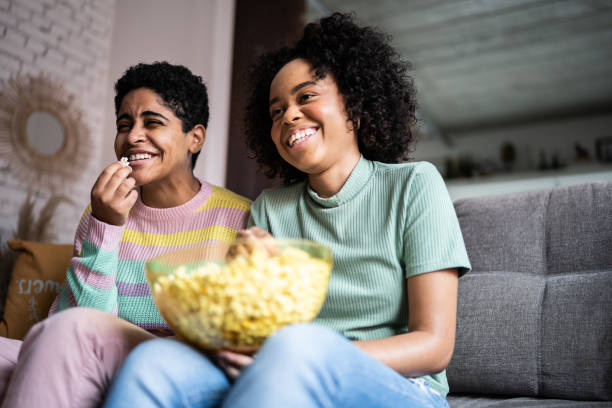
point(534, 325)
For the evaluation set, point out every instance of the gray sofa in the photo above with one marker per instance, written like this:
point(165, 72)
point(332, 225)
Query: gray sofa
point(534, 324)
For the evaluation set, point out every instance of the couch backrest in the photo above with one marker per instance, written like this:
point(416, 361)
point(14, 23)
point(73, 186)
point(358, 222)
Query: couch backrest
point(535, 313)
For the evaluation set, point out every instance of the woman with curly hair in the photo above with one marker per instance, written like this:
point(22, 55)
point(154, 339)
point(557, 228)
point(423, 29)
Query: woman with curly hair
point(146, 204)
point(331, 116)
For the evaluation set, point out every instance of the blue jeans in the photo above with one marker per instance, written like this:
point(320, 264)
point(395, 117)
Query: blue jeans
point(302, 365)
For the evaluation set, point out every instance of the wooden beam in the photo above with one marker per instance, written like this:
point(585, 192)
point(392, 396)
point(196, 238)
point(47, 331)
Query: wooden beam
point(259, 26)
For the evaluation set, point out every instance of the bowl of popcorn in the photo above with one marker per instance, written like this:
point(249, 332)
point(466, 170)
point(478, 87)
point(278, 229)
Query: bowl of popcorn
point(217, 297)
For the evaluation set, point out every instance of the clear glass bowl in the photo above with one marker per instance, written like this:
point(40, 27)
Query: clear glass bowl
point(237, 304)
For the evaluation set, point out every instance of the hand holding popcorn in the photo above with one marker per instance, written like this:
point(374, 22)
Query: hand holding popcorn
point(113, 194)
point(250, 240)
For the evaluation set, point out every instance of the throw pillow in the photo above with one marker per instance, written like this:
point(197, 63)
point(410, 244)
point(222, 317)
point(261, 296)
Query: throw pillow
point(39, 271)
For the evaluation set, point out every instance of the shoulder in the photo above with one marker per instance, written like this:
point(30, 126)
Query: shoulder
point(412, 174)
point(283, 193)
point(222, 197)
point(278, 197)
point(406, 169)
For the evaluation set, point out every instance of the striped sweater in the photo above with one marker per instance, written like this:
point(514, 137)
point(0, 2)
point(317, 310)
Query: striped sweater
point(107, 271)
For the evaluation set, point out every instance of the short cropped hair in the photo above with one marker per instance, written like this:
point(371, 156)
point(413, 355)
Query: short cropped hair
point(181, 91)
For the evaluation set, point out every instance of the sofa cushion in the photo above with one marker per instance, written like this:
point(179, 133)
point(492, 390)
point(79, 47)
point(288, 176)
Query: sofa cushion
point(577, 332)
point(579, 229)
point(497, 345)
point(505, 233)
point(534, 314)
point(37, 275)
point(478, 401)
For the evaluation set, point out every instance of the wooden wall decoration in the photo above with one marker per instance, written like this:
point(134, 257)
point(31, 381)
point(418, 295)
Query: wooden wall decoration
point(43, 137)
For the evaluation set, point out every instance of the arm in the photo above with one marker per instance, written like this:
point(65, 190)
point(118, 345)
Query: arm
point(428, 347)
point(90, 279)
point(432, 242)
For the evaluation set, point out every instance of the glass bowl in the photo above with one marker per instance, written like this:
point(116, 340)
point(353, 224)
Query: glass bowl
point(236, 304)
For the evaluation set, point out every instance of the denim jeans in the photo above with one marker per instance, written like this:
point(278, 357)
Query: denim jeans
point(302, 365)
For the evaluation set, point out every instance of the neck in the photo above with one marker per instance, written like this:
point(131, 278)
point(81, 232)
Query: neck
point(330, 181)
point(170, 194)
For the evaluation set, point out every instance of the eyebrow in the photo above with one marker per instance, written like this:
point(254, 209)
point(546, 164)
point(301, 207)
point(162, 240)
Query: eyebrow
point(295, 89)
point(145, 113)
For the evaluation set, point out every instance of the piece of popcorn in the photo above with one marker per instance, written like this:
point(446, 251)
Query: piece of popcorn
point(124, 162)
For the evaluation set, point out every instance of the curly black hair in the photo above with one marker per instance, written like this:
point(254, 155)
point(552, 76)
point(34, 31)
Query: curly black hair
point(378, 92)
point(182, 92)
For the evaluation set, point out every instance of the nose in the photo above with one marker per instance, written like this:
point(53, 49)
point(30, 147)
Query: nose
point(136, 134)
point(292, 113)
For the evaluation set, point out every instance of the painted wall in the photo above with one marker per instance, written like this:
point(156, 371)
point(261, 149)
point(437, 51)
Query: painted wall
point(87, 45)
point(70, 42)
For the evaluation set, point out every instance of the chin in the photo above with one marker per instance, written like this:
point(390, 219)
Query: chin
point(140, 182)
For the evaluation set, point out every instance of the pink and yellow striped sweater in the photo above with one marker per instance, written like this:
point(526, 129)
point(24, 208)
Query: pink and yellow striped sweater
point(107, 271)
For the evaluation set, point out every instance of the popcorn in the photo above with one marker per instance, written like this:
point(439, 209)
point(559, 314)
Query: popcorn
point(124, 162)
point(241, 303)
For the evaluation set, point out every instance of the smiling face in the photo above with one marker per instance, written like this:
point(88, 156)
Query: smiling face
point(310, 127)
point(150, 135)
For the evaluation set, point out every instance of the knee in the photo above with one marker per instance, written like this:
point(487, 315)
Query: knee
point(305, 337)
point(303, 344)
point(149, 356)
point(76, 321)
point(161, 356)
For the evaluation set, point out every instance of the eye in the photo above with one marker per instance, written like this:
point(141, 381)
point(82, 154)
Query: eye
point(305, 97)
point(152, 123)
point(274, 113)
point(122, 127)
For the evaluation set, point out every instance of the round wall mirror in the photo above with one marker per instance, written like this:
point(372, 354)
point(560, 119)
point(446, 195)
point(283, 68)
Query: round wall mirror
point(42, 135)
point(45, 133)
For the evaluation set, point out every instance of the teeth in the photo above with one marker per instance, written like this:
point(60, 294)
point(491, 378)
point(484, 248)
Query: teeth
point(140, 156)
point(301, 134)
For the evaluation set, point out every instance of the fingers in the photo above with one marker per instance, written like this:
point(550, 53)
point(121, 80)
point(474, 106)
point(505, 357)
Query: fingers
point(253, 232)
point(109, 181)
point(249, 240)
point(126, 187)
point(232, 372)
point(235, 359)
point(113, 194)
point(118, 179)
point(232, 363)
point(107, 173)
point(131, 199)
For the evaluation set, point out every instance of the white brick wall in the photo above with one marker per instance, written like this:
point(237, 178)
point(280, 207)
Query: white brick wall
point(68, 40)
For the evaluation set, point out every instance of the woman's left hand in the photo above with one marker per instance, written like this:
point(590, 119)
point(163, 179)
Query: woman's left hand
point(232, 363)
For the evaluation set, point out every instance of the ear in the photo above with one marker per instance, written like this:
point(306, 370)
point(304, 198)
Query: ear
point(352, 126)
point(197, 135)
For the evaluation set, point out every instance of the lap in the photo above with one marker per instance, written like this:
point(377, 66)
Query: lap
point(319, 362)
point(167, 372)
point(304, 365)
point(9, 352)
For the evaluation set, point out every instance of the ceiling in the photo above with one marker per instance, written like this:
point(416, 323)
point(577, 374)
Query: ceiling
point(491, 63)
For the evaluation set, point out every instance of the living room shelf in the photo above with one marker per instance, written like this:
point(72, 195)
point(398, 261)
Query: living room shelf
point(525, 181)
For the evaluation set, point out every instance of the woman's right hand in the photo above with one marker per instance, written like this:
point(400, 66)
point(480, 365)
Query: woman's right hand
point(113, 194)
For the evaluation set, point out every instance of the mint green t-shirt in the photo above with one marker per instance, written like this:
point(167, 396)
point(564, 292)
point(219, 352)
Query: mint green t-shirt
point(387, 223)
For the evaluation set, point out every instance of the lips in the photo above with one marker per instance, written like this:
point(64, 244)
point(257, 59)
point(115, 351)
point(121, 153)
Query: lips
point(138, 156)
point(300, 135)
